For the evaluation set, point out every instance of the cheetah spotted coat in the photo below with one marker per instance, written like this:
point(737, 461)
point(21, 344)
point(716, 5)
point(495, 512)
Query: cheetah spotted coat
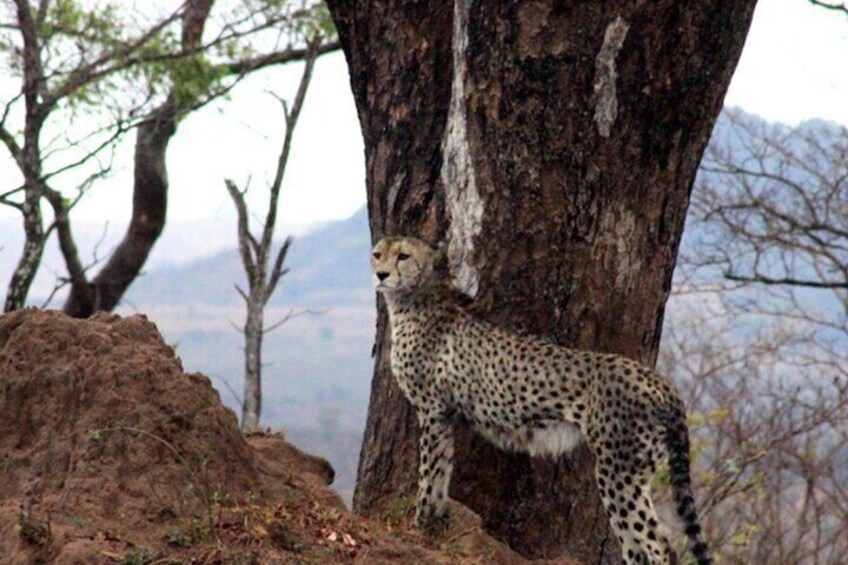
point(527, 394)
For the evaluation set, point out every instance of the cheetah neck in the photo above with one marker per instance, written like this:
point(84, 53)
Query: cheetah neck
point(419, 301)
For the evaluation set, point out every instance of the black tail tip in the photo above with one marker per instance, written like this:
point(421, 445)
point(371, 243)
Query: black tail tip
point(693, 530)
point(702, 553)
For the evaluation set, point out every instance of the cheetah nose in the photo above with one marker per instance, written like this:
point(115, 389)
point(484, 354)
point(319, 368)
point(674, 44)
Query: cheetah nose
point(382, 275)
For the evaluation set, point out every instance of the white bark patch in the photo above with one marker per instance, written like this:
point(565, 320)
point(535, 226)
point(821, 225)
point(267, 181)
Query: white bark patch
point(620, 228)
point(606, 107)
point(465, 207)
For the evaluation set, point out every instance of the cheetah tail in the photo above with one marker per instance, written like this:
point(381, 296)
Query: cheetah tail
point(677, 443)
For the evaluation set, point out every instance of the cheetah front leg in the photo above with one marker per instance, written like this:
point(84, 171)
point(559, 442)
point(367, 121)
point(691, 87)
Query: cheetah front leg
point(435, 463)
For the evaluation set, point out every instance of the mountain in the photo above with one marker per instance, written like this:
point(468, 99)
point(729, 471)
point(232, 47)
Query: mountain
point(326, 267)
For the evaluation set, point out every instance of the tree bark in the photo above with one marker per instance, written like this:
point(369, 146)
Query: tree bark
point(29, 161)
point(254, 331)
point(553, 147)
point(150, 198)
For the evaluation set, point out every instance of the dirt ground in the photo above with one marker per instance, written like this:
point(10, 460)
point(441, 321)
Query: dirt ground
point(111, 453)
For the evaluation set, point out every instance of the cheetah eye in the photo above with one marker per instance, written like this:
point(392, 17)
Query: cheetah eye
point(377, 255)
point(403, 256)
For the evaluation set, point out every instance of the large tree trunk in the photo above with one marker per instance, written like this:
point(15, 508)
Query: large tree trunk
point(553, 145)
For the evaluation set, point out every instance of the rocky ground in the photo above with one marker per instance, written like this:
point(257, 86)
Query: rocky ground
point(111, 453)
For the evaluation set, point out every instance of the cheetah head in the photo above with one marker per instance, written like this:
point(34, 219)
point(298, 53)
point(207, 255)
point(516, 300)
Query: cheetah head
point(402, 264)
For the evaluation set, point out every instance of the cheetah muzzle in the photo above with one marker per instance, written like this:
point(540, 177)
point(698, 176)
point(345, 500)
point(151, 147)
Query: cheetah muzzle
point(525, 393)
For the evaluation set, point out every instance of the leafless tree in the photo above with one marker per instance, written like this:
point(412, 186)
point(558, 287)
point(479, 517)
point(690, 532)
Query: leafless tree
point(256, 253)
point(768, 431)
point(123, 69)
point(759, 335)
point(772, 205)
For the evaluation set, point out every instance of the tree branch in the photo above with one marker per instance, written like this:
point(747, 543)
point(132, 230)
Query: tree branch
point(277, 271)
point(828, 6)
point(76, 271)
point(246, 240)
point(786, 281)
point(290, 316)
point(90, 72)
point(278, 58)
point(12, 145)
point(291, 118)
point(33, 71)
point(241, 293)
point(7, 138)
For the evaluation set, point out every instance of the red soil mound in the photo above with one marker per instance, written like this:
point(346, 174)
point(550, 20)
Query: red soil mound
point(100, 424)
point(111, 453)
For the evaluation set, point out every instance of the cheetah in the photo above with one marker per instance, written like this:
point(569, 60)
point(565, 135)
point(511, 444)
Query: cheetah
point(527, 394)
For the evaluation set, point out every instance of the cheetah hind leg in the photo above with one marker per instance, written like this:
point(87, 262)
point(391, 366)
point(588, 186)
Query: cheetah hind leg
point(632, 517)
point(435, 463)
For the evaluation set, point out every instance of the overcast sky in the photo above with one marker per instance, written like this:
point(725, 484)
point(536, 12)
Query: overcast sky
point(794, 67)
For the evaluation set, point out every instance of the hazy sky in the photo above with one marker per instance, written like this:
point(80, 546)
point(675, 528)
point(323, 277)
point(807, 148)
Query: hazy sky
point(794, 67)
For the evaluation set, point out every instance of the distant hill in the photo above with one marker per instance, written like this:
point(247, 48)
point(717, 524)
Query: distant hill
point(327, 267)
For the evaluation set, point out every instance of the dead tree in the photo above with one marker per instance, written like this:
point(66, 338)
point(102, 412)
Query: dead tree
point(772, 205)
point(256, 253)
point(761, 340)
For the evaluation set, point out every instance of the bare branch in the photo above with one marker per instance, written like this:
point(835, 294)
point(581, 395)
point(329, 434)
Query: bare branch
point(7, 138)
point(247, 243)
point(786, 281)
point(278, 58)
point(118, 131)
point(277, 271)
point(226, 384)
point(242, 293)
point(76, 271)
point(765, 365)
point(830, 6)
point(291, 118)
point(290, 316)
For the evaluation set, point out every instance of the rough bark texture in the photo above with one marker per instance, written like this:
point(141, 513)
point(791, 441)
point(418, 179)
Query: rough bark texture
point(150, 197)
point(583, 125)
point(28, 159)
